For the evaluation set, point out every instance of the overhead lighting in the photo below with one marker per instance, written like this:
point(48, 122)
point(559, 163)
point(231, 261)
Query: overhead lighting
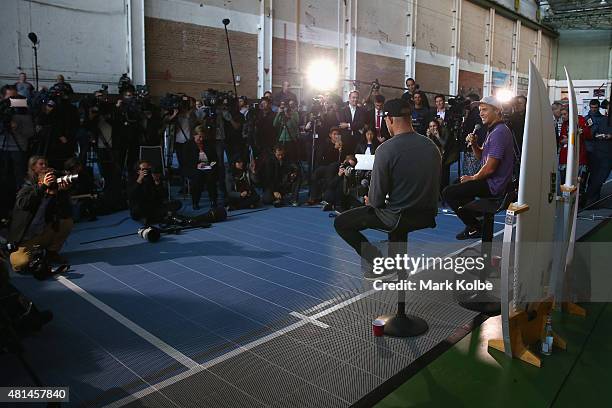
point(504, 95)
point(323, 75)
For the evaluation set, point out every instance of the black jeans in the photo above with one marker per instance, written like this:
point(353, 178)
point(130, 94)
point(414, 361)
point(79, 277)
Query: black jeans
point(349, 225)
point(457, 195)
point(200, 179)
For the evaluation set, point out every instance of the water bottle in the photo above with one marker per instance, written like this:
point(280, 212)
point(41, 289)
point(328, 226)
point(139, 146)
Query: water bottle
point(547, 341)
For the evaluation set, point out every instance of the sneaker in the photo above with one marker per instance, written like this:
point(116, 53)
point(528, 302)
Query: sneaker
point(469, 233)
point(327, 206)
point(294, 204)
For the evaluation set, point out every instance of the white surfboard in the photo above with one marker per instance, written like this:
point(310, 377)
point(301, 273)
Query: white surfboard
point(571, 186)
point(537, 189)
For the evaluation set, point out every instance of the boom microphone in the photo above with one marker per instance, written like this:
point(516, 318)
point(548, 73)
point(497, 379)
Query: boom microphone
point(476, 129)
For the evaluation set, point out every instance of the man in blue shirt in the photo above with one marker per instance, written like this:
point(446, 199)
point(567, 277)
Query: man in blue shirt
point(497, 158)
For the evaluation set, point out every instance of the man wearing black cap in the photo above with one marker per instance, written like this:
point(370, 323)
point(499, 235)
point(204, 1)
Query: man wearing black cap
point(406, 176)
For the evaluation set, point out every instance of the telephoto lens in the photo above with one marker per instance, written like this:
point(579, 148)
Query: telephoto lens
point(69, 178)
point(150, 234)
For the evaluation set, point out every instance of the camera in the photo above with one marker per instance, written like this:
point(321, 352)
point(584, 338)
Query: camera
point(150, 234)
point(68, 178)
point(170, 101)
point(348, 169)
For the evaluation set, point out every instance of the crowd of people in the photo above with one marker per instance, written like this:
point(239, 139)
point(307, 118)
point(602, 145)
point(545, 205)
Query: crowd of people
point(245, 154)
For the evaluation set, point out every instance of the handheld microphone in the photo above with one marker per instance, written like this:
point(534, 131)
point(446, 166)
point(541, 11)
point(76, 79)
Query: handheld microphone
point(476, 129)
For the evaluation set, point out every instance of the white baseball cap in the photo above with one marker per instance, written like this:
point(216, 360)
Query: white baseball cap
point(493, 101)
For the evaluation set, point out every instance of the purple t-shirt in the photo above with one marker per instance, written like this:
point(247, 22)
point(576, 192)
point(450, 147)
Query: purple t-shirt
point(499, 145)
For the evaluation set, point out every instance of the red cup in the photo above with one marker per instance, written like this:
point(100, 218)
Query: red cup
point(495, 261)
point(378, 327)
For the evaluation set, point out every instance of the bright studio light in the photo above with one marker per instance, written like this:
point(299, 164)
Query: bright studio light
point(504, 95)
point(322, 75)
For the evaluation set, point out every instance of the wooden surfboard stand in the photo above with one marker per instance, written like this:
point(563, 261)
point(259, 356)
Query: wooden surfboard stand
point(569, 307)
point(522, 332)
point(525, 333)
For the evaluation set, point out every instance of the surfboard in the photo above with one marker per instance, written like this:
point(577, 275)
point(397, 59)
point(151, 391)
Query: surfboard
point(537, 189)
point(569, 211)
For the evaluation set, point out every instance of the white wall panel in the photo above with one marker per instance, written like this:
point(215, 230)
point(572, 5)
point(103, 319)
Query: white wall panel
point(85, 40)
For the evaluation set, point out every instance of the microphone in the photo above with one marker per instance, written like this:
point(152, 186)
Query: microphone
point(365, 183)
point(476, 129)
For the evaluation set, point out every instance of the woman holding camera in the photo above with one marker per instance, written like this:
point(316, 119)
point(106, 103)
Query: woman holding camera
point(200, 166)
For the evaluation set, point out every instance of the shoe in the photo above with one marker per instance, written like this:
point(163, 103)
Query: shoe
point(327, 206)
point(54, 257)
point(294, 203)
point(469, 233)
point(277, 204)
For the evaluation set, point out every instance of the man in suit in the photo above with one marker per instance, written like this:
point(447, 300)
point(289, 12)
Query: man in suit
point(376, 120)
point(352, 121)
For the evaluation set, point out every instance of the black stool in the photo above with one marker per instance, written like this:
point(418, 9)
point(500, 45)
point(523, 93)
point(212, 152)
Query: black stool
point(400, 324)
point(483, 301)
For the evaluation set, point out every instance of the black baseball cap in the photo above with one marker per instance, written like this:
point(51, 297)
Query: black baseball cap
point(396, 108)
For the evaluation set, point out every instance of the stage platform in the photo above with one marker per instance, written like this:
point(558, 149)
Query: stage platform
point(268, 308)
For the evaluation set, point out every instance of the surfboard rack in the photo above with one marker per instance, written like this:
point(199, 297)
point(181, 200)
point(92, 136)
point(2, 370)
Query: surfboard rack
point(525, 333)
point(568, 189)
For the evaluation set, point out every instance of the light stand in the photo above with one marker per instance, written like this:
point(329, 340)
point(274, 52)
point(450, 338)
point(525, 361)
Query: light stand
point(34, 38)
point(225, 22)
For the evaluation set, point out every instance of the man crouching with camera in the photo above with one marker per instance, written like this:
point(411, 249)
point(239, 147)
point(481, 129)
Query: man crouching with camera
point(42, 217)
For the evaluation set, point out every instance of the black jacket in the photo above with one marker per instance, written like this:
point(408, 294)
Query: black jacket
point(357, 122)
point(280, 174)
point(327, 153)
point(28, 199)
point(371, 121)
point(191, 154)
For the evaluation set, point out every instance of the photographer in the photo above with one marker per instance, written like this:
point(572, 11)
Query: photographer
point(287, 123)
point(342, 188)
point(265, 134)
point(42, 215)
point(146, 195)
point(283, 180)
point(240, 186)
point(182, 120)
point(201, 166)
point(329, 155)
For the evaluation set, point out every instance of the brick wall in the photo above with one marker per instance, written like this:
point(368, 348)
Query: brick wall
point(389, 71)
point(189, 58)
point(470, 82)
point(432, 78)
point(284, 65)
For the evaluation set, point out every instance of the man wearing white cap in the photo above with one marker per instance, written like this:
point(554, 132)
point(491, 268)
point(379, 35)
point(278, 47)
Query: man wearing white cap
point(497, 159)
